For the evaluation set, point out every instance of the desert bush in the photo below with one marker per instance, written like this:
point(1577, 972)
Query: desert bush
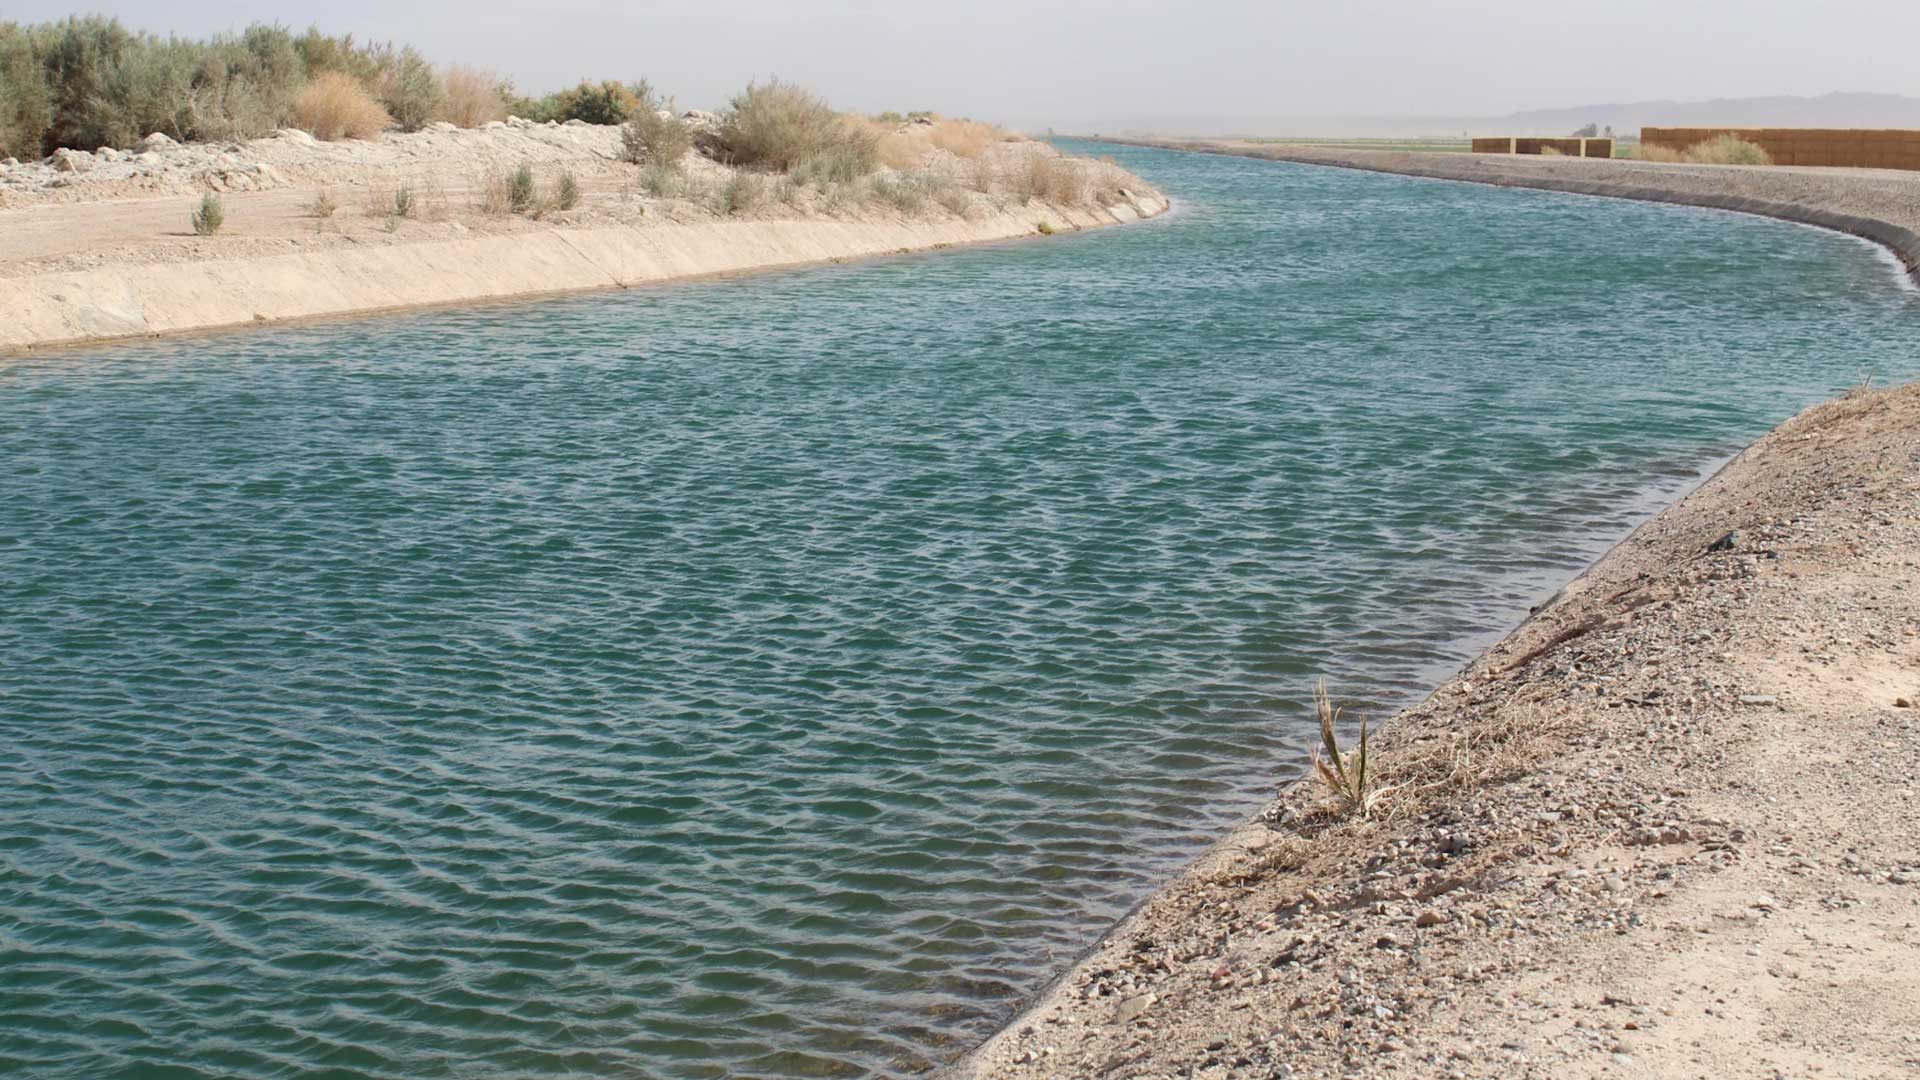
point(955, 200)
point(662, 180)
point(779, 125)
point(471, 97)
point(605, 102)
point(406, 86)
point(1046, 178)
point(903, 193)
point(965, 138)
point(652, 135)
point(208, 216)
point(566, 192)
point(520, 191)
point(490, 192)
point(320, 52)
point(323, 204)
point(26, 105)
point(335, 106)
point(741, 193)
point(1727, 149)
point(834, 167)
point(403, 201)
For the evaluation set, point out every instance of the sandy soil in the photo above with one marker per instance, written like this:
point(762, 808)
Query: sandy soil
point(1882, 205)
point(81, 234)
point(1665, 829)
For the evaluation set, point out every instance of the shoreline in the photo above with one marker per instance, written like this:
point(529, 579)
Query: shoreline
point(140, 301)
point(1606, 803)
point(1600, 809)
point(1879, 206)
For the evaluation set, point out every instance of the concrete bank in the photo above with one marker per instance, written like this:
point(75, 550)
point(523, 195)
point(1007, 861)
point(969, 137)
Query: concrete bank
point(1665, 828)
point(1880, 205)
point(142, 299)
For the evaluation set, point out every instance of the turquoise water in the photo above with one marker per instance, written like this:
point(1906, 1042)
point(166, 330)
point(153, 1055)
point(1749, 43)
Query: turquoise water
point(781, 676)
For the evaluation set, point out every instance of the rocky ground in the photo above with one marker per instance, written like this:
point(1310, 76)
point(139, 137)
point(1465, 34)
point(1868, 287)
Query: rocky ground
point(1670, 827)
point(1880, 204)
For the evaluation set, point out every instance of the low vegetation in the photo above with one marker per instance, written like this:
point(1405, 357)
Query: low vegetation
point(208, 216)
point(521, 195)
point(1351, 777)
point(652, 135)
point(335, 106)
point(777, 125)
point(1725, 149)
point(473, 97)
point(566, 192)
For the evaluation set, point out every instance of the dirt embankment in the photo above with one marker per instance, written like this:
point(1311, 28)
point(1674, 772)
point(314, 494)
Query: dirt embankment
point(99, 246)
point(1881, 205)
point(1666, 828)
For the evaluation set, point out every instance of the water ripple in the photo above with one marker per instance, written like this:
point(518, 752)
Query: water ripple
point(782, 676)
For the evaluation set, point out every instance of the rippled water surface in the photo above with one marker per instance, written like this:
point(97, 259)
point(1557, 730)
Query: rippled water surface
point(780, 676)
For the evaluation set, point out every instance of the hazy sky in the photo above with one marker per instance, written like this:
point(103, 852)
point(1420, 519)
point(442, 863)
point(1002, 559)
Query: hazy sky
point(1123, 62)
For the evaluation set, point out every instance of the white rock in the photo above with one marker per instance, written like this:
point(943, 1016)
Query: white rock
point(294, 136)
point(71, 161)
point(442, 126)
point(156, 141)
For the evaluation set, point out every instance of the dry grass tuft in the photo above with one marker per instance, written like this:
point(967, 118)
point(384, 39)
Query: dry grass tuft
point(335, 106)
point(906, 146)
point(1727, 149)
point(472, 98)
point(323, 205)
point(1351, 777)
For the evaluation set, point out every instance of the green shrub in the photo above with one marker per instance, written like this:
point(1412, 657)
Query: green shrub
point(778, 125)
point(907, 194)
point(566, 192)
point(520, 192)
point(406, 86)
point(403, 201)
point(209, 215)
point(662, 180)
point(833, 167)
point(26, 106)
point(741, 194)
point(650, 138)
point(606, 102)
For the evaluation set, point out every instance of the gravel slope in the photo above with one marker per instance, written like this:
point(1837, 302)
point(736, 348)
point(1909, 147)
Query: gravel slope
point(1666, 828)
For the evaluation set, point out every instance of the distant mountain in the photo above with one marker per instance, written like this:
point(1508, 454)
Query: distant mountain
point(1827, 110)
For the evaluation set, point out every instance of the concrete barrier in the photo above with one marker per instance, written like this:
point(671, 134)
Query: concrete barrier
point(1860, 148)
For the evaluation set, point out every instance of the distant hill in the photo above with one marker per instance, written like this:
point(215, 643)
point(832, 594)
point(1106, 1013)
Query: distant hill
point(1827, 110)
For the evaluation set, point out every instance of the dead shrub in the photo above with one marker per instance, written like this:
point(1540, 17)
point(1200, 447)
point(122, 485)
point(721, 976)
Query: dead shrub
point(335, 106)
point(472, 97)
